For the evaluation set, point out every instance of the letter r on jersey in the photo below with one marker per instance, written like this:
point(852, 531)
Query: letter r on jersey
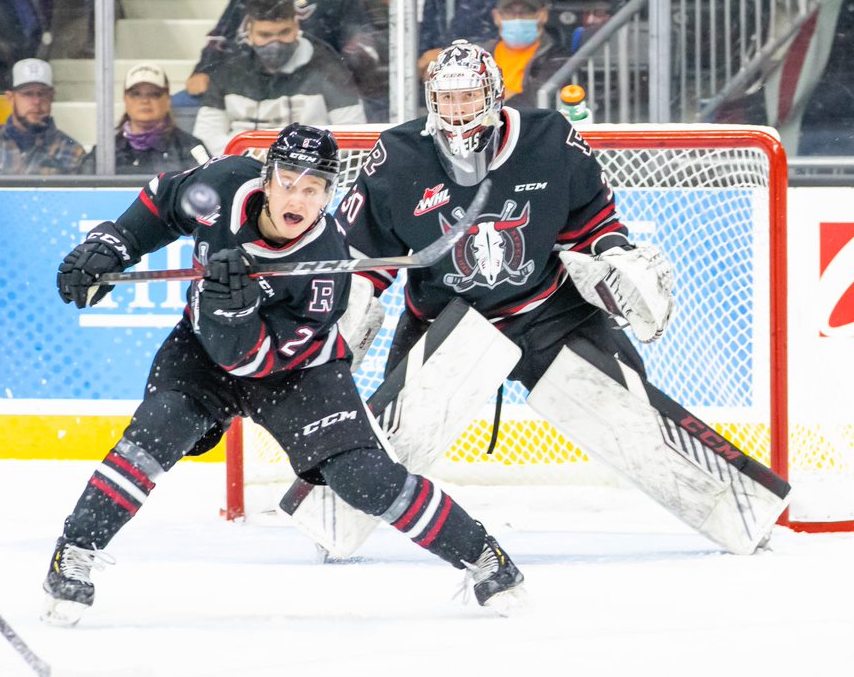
point(322, 295)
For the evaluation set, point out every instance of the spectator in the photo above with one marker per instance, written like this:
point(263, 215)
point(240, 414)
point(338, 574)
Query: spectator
point(72, 29)
point(30, 143)
point(23, 33)
point(526, 53)
point(471, 20)
point(828, 118)
point(147, 139)
point(357, 29)
point(280, 76)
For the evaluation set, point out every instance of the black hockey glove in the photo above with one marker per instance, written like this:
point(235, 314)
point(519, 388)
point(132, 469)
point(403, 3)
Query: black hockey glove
point(227, 293)
point(103, 251)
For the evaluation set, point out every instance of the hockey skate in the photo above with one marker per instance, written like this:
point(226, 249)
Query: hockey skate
point(69, 590)
point(496, 581)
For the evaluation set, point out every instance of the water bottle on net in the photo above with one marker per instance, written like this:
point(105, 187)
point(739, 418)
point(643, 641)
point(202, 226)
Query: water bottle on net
point(573, 105)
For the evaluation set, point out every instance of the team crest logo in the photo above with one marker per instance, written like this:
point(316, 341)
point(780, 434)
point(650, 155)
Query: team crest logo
point(433, 198)
point(493, 252)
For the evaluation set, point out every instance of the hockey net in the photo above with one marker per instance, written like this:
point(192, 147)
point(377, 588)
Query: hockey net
point(714, 199)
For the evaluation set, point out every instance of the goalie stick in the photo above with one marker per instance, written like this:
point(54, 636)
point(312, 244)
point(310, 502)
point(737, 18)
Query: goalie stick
point(420, 259)
point(616, 415)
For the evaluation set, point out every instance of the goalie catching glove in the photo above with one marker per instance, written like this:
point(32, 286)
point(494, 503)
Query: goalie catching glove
point(636, 284)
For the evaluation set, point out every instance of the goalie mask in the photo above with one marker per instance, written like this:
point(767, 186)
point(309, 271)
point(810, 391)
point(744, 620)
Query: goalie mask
point(464, 91)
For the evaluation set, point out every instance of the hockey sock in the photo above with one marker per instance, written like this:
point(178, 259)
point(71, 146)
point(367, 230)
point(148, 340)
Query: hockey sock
point(114, 494)
point(366, 479)
point(163, 429)
point(433, 520)
point(370, 481)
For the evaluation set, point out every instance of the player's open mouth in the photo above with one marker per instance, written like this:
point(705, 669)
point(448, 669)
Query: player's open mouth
point(291, 219)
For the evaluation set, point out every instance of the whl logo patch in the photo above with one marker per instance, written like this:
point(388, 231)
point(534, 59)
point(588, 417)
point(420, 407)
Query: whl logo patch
point(836, 283)
point(433, 198)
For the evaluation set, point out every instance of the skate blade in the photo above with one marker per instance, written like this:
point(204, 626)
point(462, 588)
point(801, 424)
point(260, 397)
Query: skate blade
point(508, 602)
point(62, 612)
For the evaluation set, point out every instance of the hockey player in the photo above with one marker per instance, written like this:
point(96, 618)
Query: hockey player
point(550, 265)
point(268, 348)
point(549, 200)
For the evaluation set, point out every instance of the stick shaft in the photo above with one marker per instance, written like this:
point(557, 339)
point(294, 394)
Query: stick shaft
point(40, 667)
point(425, 257)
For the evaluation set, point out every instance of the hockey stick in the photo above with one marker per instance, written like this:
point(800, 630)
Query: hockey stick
point(420, 259)
point(40, 667)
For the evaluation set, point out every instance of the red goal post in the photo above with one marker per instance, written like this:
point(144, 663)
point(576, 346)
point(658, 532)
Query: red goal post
point(714, 198)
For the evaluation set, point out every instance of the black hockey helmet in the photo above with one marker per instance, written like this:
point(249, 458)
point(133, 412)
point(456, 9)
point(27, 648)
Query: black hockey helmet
point(303, 148)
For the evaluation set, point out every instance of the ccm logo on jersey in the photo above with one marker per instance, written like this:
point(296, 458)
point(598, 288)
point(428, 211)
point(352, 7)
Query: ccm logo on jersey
point(327, 421)
point(433, 197)
point(520, 187)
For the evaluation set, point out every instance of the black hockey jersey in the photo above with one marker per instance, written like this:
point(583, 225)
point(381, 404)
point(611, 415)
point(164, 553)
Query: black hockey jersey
point(548, 192)
point(295, 326)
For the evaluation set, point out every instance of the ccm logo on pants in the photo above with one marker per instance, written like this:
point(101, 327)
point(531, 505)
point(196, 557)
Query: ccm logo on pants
point(327, 421)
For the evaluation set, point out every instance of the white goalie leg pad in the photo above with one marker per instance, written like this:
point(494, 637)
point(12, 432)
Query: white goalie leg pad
point(636, 284)
point(423, 406)
point(361, 322)
point(442, 381)
point(687, 477)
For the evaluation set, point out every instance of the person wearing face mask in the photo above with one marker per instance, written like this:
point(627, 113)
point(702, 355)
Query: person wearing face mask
point(356, 29)
point(30, 143)
point(280, 76)
point(526, 53)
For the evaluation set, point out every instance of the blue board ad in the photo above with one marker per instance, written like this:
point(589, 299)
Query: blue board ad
point(55, 351)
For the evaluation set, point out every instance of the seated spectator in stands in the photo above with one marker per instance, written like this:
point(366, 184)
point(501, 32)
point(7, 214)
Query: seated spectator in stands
point(356, 29)
point(527, 54)
point(281, 76)
point(472, 20)
point(23, 33)
point(30, 143)
point(147, 139)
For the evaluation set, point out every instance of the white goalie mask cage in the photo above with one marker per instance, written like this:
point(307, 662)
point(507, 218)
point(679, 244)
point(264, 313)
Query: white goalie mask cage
point(467, 138)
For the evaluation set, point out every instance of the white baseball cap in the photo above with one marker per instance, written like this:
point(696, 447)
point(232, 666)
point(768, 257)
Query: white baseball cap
point(149, 73)
point(29, 71)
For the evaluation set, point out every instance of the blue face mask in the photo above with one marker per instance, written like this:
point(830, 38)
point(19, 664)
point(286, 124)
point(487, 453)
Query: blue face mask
point(519, 33)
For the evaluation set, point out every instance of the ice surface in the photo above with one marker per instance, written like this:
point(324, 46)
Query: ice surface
point(615, 587)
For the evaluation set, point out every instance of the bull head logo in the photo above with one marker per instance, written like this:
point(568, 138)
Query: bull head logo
point(493, 252)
